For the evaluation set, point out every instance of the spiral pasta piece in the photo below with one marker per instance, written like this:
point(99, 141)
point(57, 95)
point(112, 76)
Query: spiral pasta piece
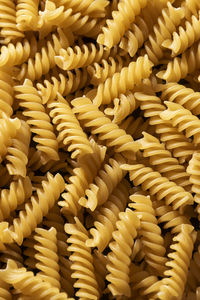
point(38, 120)
point(6, 92)
point(81, 177)
point(27, 14)
point(70, 132)
point(35, 209)
point(119, 257)
point(46, 254)
point(122, 81)
point(80, 56)
point(28, 284)
point(135, 127)
point(163, 162)
point(193, 171)
point(64, 84)
point(180, 67)
point(106, 216)
point(120, 22)
point(17, 153)
point(82, 261)
point(173, 285)
point(8, 26)
point(183, 119)
point(92, 117)
point(159, 186)
point(89, 27)
point(17, 193)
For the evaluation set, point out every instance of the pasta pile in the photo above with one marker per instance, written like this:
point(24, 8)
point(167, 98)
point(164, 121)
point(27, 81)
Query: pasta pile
point(99, 149)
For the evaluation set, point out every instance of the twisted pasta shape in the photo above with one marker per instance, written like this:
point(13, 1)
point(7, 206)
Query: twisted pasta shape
point(182, 95)
point(29, 252)
point(162, 30)
point(173, 285)
point(17, 153)
point(71, 133)
point(92, 117)
point(8, 27)
point(174, 140)
point(38, 120)
point(46, 254)
point(78, 57)
point(152, 240)
point(191, 6)
point(159, 186)
point(123, 106)
point(183, 119)
point(36, 208)
point(64, 84)
point(89, 27)
point(29, 284)
point(104, 183)
point(163, 162)
point(17, 193)
point(119, 257)
point(27, 14)
point(81, 177)
point(120, 22)
point(8, 130)
point(82, 261)
point(180, 67)
point(6, 92)
point(122, 81)
point(193, 171)
point(106, 216)
point(136, 127)
point(185, 38)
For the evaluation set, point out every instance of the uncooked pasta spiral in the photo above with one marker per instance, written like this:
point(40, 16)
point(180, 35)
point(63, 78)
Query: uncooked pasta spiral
point(173, 284)
point(64, 84)
point(119, 258)
point(38, 120)
point(70, 132)
point(120, 22)
point(162, 30)
point(8, 26)
point(174, 140)
point(18, 192)
point(36, 208)
point(82, 261)
point(193, 171)
point(135, 127)
point(163, 162)
point(81, 177)
point(46, 255)
point(183, 119)
point(185, 37)
point(150, 232)
point(89, 27)
point(191, 7)
point(122, 81)
point(105, 218)
point(27, 14)
point(90, 116)
point(28, 284)
point(17, 153)
point(123, 106)
point(159, 186)
point(104, 183)
point(179, 67)
point(6, 91)
point(8, 130)
point(182, 95)
point(78, 57)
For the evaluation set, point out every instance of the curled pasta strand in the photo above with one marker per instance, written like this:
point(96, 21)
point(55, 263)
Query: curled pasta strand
point(122, 81)
point(70, 132)
point(120, 22)
point(82, 261)
point(27, 14)
point(46, 255)
point(119, 258)
point(88, 27)
point(193, 171)
point(81, 177)
point(92, 117)
point(104, 183)
point(183, 119)
point(159, 186)
point(18, 151)
point(6, 92)
point(38, 120)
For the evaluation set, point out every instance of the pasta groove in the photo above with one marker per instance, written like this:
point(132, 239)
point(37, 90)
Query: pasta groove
point(119, 257)
point(193, 171)
point(6, 92)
